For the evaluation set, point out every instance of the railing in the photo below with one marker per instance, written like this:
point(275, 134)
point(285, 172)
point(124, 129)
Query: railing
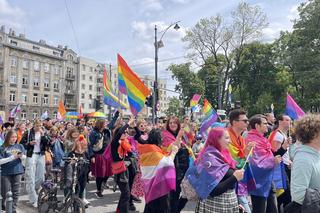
point(70, 77)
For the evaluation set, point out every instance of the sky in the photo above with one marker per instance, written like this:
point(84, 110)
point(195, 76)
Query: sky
point(99, 29)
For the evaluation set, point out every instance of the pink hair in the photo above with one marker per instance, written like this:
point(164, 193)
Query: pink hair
point(214, 136)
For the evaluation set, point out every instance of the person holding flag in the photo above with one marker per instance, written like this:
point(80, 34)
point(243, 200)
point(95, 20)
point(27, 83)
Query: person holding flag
point(239, 150)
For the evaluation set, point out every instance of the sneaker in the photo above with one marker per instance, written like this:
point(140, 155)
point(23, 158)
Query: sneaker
point(35, 205)
point(132, 207)
point(99, 194)
point(135, 199)
point(86, 202)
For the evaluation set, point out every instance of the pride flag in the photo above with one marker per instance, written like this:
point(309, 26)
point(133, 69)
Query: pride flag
point(131, 84)
point(61, 111)
point(158, 173)
point(194, 101)
point(109, 97)
point(15, 111)
point(210, 116)
point(293, 109)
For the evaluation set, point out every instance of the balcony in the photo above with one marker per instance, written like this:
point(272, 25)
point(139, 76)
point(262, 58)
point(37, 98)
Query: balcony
point(70, 77)
point(69, 92)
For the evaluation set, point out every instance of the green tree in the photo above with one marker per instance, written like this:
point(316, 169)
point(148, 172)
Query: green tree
point(188, 82)
point(174, 108)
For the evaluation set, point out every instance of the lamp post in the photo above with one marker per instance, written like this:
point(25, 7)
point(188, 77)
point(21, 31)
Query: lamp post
point(158, 44)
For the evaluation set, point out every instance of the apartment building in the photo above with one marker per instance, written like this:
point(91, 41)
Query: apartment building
point(35, 75)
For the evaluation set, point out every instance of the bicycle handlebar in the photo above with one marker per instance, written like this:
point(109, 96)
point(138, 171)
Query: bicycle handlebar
point(76, 159)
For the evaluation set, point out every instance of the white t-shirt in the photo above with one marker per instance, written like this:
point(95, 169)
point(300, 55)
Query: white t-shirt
point(37, 137)
point(280, 137)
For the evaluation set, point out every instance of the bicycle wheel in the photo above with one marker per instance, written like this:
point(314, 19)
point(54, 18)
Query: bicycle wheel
point(43, 197)
point(75, 206)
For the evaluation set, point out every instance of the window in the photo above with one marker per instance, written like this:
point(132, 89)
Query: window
point(36, 82)
point(90, 78)
point(46, 67)
point(35, 98)
point(83, 86)
point(55, 100)
point(24, 98)
point(70, 57)
point(14, 61)
point(56, 70)
point(91, 69)
point(82, 96)
point(25, 64)
point(36, 65)
point(45, 99)
point(14, 43)
point(99, 89)
point(25, 80)
point(83, 67)
point(23, 115)
point(46, 83)
point(36, 48)
point(115, 75)
point(55, 85)
point(13, 79)
point(69, 72)
point(90, 87)
point(12, 97)
point(82, 104)
point(55, 53)
point(90, 105)
point(83, 77)
point(90, 96)
point(35, 115)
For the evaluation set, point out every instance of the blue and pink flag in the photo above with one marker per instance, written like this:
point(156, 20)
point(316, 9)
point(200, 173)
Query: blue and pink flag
point(292, 109)
point(194, 101)
point(207, 172)
point(210, 117)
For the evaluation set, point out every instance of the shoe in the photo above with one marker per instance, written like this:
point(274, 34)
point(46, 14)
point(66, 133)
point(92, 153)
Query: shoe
point(86, 202)
point(132, 207)
point(99, 194)
point(35, 205)
point(137, 200)
point(3, 207)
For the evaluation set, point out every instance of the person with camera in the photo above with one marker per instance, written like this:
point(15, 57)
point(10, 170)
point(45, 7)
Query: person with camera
point(11, 154)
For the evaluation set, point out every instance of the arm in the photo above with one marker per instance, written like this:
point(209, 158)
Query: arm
point(280, 152)
point(7, 160)
point(137, 137)
point(228, 182)
point(300, 179)
point(113, 120)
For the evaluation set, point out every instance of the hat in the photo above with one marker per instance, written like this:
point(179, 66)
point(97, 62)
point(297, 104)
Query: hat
point(198, 137)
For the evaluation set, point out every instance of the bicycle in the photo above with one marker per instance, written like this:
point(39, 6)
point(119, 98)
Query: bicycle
point(47, 198)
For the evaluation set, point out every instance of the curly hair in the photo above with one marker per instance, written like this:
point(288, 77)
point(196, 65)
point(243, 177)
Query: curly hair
point(307, 128)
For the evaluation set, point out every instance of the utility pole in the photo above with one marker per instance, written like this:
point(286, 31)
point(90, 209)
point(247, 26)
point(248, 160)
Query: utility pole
point(155, 85)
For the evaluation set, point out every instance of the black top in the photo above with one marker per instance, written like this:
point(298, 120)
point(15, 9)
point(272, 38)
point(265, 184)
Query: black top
point(137, 136)
point(228, 182)
point(115, 143)
point(29, 136)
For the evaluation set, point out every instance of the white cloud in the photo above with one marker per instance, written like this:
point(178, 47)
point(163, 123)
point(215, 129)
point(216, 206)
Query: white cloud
point(11, 15)
point(151, 5)
point(293, 13)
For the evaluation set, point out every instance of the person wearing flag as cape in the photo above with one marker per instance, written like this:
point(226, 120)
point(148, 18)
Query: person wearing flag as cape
point(239, 150)
point(263, 164)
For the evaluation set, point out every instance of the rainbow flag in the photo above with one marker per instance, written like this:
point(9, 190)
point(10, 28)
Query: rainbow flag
point(131, 84)
point(293, 109)
point(109, 97)
point(158, 173)
point(210, 116)
point(194, 101)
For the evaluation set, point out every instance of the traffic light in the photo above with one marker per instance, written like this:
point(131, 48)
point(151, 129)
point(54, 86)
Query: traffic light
point(149, 101)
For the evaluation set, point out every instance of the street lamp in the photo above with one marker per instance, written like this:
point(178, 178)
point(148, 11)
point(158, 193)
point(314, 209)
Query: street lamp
point(158, 44)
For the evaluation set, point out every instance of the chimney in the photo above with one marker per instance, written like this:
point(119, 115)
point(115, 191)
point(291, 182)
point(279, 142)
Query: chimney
point(13, 33)
point(21, 35)
point(10, 31)
point(66, 47)
point(60, 46)
point(42, 41)
point(3, 28)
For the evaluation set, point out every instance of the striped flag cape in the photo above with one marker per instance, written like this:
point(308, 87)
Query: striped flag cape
point(131, 84)
point(109, 97)
point(158, 173)
point(210, 116)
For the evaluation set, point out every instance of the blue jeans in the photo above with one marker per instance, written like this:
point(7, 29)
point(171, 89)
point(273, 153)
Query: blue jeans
point(244, 202)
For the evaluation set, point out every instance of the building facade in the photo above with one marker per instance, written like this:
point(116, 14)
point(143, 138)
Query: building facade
point(35, 75)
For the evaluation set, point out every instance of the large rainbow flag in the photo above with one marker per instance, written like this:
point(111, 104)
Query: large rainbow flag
point(210, 116)
point(194, 101)
point(293, 109)
point(109, 97)
point(158, 173)
point(131, 84)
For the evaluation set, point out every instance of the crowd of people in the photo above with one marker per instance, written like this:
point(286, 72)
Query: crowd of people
point(160, 163)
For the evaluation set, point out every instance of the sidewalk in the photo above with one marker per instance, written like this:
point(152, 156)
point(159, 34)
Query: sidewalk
point(107, 204)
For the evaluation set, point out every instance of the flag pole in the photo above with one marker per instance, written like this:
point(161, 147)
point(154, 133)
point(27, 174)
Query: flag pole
point(109, 106)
